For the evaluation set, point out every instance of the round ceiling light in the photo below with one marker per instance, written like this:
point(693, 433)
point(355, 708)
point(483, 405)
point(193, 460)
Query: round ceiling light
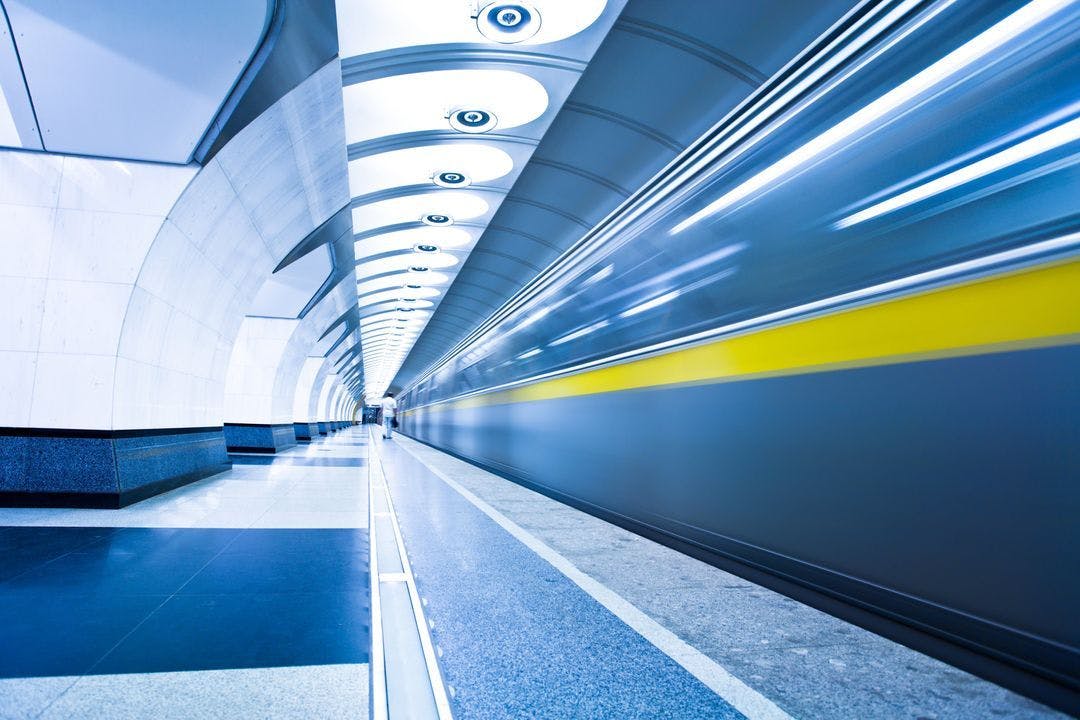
point(418, 269)
point(508, 22)
point(437, 220)
point(423, 248)
point(472, 120)
point(451, 179)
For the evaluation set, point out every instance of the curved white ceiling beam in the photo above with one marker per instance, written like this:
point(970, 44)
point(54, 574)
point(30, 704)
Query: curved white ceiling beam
point(405, 240)
point(404, 261)
point(429, 279)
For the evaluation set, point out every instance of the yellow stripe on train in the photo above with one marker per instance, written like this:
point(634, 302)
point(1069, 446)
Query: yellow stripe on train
point(1033, 307)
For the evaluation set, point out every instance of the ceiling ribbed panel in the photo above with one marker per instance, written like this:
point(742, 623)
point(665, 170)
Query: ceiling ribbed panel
point(444, 106)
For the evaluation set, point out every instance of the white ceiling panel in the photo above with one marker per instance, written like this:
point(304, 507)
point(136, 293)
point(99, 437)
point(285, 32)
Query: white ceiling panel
point(478, 161)
point(422, 101)
point(101, 88)
point(456, 204)
point(366, 26)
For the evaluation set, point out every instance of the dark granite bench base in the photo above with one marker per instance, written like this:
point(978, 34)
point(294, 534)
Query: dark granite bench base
point(323, 430)
point(305, 431)
point(45, 467)
point(244, 437)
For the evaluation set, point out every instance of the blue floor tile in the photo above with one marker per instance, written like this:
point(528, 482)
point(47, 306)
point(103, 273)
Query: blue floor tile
point(25, 548)
point(202, 542)
point(106, 574)
point(42, 634)
point(206, 632)
point(270, 598)
point(287, 572)
point(323, 541)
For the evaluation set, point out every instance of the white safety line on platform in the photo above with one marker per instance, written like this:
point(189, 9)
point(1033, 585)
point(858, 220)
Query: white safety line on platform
point(735, 692)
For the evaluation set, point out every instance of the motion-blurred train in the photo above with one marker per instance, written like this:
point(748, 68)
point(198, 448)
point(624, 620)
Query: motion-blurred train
point(836, 341)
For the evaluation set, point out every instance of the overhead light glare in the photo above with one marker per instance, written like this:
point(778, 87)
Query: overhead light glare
point(877, 111)
point(581, 333)
point(650, 304)
point(1041, 143)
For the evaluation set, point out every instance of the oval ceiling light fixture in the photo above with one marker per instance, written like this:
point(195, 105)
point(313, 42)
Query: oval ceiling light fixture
point(476, 159)
point(377, 25)
point(437, 220)
point(426, 277)
point(419, 291)
point(472, 121)
point(508, 22)
point(417, 102)
point(376, 215)
point(451, 179)
point(425, 248)
point(444, 237)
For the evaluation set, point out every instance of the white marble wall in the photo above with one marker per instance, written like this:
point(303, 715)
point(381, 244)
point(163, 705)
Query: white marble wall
point(305, 386)
point(74, 233)
point(270, 354)
point(125, 284)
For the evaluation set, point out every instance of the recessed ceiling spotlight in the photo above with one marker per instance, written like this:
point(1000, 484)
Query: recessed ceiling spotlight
point(472, 120)
point(451, 179)
point(508, 22)
point(413, 286)
point(407, 299)
point(437, 220)
point(418, 268)
point(425, 249)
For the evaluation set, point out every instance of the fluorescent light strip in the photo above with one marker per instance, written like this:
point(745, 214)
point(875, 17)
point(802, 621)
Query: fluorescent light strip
point(581, 333)
point(650, 304)
point(958, 60)
point(1042, 143)
point(1036, 251)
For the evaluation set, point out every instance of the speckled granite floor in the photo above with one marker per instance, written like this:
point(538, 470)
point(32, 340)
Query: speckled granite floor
point(244, 595)
point(501, 647)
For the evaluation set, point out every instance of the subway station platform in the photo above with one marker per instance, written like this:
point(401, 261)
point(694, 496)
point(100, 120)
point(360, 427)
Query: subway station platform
point(247, 595)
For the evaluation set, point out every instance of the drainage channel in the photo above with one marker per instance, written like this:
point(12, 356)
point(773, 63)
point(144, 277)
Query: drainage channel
point(405, 677)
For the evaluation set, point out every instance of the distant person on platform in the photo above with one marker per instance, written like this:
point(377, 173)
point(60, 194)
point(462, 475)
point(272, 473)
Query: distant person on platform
point(389, 409)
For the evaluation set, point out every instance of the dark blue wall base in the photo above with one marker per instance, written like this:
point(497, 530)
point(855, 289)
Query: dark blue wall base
point(305, 431)
point(322, 428)
point(103, 468)
point(241, 437)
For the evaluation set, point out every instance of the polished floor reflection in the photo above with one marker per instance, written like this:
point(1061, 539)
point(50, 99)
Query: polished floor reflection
point(248, 590)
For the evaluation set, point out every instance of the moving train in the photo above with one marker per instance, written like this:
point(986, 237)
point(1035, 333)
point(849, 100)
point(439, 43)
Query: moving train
point(834, 343)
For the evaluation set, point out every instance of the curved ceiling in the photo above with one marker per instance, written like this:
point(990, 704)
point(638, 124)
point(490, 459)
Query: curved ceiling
point(443, 109)
point(660, 78)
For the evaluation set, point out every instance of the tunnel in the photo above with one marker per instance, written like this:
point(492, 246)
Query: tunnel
point(490, 359)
